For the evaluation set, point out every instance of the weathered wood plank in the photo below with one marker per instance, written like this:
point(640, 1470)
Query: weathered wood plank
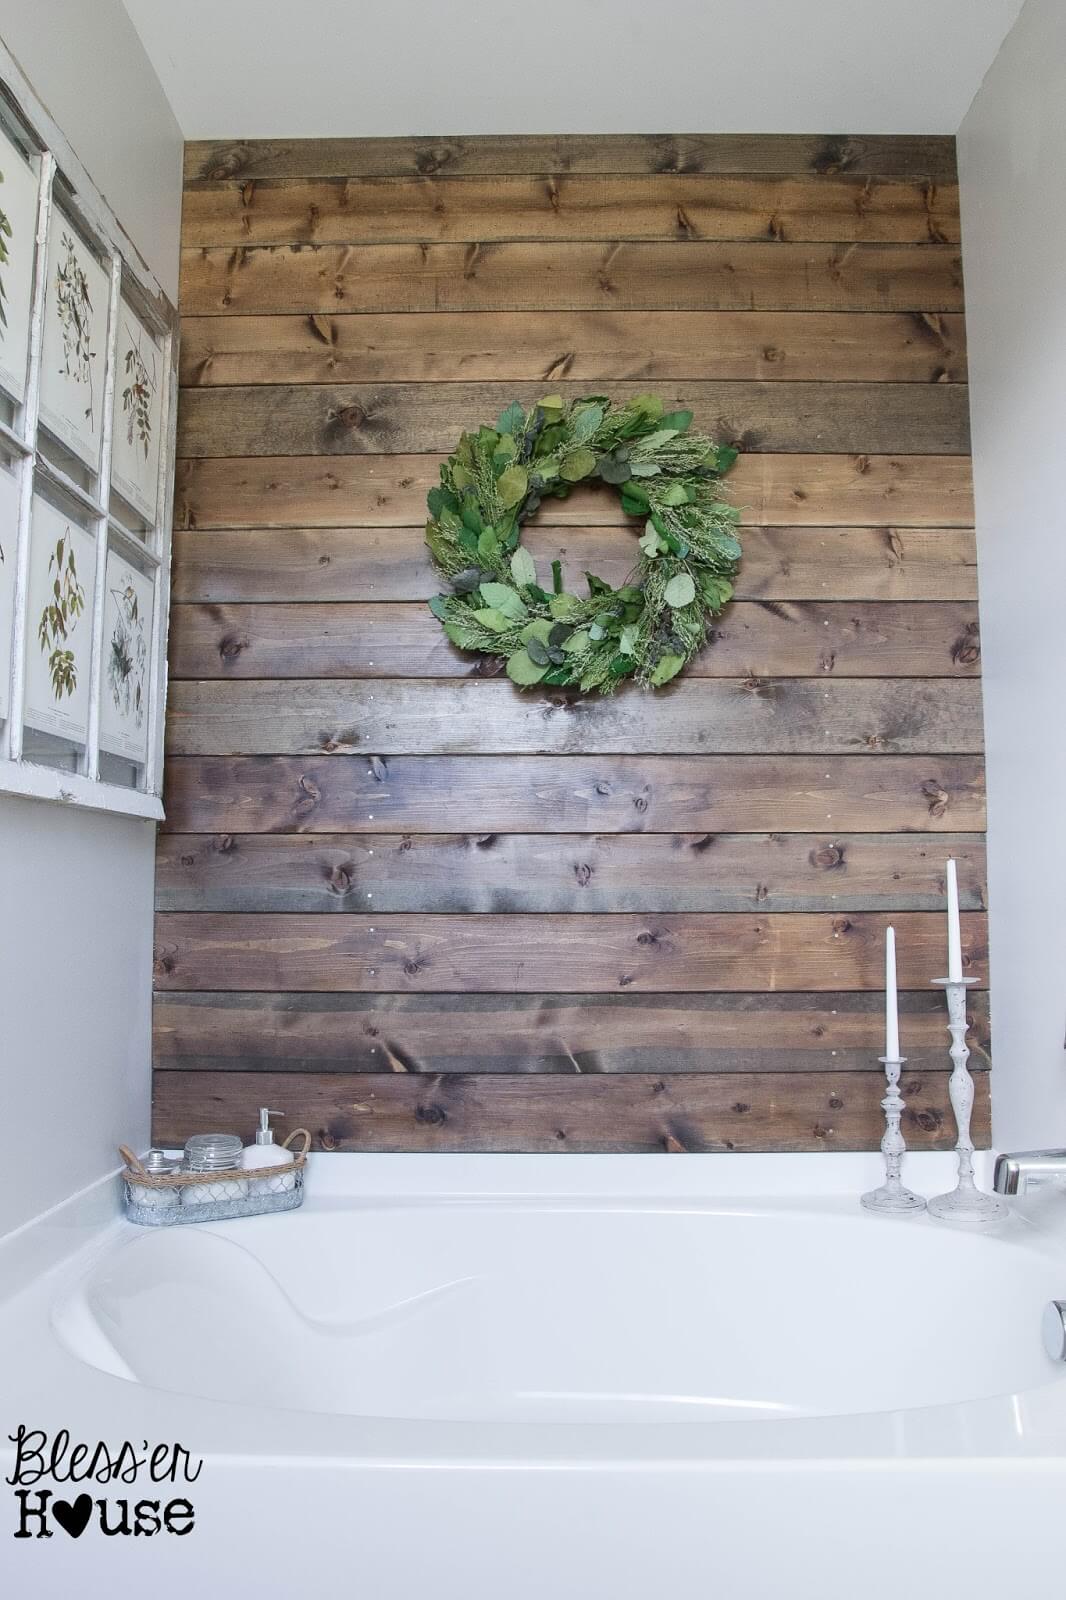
point(667, 206)
point(558, 1033)
point(780, 564)
point(914, 157)
point(393, 419)
point(616, 276)
point(726, 716)
point(548, 873)
point(376, 491)
point(657, 953)
point(406, 641)
point(363, 795)
point(585, 346)
point(688, 1112)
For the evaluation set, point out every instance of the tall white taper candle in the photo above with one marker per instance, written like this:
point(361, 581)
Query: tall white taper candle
point(891, 1010)
point(954, 928)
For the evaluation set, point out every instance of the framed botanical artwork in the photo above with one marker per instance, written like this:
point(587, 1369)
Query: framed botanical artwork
point(127, 659)
point(59, 624)
point(9, 521)
point(18, 232)
point(138, 413)
point(74, 353)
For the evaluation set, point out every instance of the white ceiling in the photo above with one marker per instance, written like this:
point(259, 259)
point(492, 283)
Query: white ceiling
point(303, 68)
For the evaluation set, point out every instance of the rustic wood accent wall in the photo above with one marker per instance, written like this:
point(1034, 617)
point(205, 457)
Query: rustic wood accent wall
point(417, 909)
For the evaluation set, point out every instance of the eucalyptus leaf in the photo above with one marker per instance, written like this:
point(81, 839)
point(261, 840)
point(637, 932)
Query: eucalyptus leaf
point(577, 643)
point(540, 628)
point(675, 494)
point(559, 632)
point(680, 591)
point(537, 652)
point(584, 422)
point(612, 470)
point(627, 639)
point(577, 465)
point(466, 582)
point(653, 441)
point(645, 469)
point(521, 669)
point(649, 542)
point(439, 607)
point(597, 632)
point(563, 606)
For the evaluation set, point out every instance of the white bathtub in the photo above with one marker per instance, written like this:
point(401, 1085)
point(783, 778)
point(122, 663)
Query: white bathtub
point(502, 1378)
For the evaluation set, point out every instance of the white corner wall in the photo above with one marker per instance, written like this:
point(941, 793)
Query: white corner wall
point(76, 887)
point(1012, 163)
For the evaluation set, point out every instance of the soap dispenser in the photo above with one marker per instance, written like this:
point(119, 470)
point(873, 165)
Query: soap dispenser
point(265, 1153)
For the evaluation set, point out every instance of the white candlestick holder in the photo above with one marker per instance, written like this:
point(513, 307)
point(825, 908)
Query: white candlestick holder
point(966, 1202)
point(892, 1196)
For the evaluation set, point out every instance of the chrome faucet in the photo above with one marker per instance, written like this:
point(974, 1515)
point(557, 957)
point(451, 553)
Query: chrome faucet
point(1022, 1170)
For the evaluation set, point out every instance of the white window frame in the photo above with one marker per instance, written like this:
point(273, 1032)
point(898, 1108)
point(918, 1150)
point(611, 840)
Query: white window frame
point(62, 176)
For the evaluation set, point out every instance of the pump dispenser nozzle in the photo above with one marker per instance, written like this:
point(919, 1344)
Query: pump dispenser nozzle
point(264, 1134)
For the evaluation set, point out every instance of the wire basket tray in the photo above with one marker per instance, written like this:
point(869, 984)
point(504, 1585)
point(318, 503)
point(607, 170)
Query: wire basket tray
point(171, 1199)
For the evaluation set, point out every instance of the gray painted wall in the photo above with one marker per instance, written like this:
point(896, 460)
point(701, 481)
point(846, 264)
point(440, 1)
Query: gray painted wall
point(76, 887)
point(1012, 154)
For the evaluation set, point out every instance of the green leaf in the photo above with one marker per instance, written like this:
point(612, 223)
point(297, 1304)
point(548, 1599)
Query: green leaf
point(472, 517)
point(646, 405)
point(511, 486)
point(584, 422)
point(559, 632)
point(493, 619)
point(577, 642)
point(557, 577)
point(646, 469)
point(627, 639)
point(440, 499)
point(487, 544)
point(564, 606)
point(680, 591)
point(635, 499)
point(540, 628)
point(597, 585)
point(521, 669)
point(461, 637)
point(438, 606)
point(466, 582)
point(726, 455)
point(504, 598)
point(652, 441)
point(578, 464)
point(504, 453)
point(558, 675)
point(597, 632)
point(460, 478)
point(471, 542)
point(620, 666)
point(665, 668)
point(649, 542)
point(523, 569)
point(612, 470)
point(512, 420)
point(676, 421)
point(537, 651)
point(552, 406)
point(716, 591)
point(675, 494)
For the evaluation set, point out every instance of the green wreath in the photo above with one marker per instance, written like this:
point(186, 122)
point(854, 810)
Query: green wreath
point(656, 622)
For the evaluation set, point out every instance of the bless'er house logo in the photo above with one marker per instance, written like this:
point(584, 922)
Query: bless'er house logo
point(141, 1512)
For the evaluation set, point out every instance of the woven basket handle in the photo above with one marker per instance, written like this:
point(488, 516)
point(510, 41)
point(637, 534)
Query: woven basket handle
point(298, 1133)
point(132, 1161)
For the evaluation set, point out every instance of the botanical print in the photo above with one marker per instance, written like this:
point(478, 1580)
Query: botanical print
point(127, 658)
point(62, 582)
point(137, 395)
point(74, 354)
point(18, 217)
point(74, 308)
point(135, 429)
point(59, 617)
point(9, 505)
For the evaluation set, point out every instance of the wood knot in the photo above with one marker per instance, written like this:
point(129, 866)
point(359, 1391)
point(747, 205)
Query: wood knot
point(431, 1116)
point(826, 857)
point(339, 880)
point(231, 645)
point(647, 938)
point(224, 844)
point(486, 842)
point(352, 416)
point(772, 354)
point(966, 651)
point(378, 769)
point(413, 968)
point(603, 788)
point(937, 796)
point(583, 873)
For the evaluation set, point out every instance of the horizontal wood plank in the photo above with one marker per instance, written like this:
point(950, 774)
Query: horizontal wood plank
point(553, 1033)
point(391, 419)
point(660, 952)
point(781, 564)
point(397, 641)
point(688, 1112)
point(616, 276)
point(566, 873)
point(915, 157)
point(551, 206)
point(754, 716)
point(376, 491)
point(584, 346)
point(574, 794)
